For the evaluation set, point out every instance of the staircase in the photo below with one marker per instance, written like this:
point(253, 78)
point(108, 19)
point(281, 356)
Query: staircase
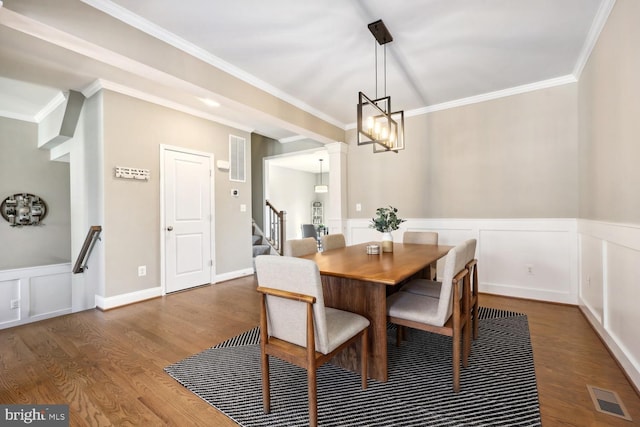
point(260, 244)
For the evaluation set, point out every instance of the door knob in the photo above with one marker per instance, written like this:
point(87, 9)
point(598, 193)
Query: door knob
point(169, 228)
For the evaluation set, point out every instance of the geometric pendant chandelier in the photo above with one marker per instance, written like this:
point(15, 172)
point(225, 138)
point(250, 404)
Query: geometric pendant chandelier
point(378, 125)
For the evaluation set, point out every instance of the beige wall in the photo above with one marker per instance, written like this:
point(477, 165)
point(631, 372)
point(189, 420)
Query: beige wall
point(133, 133)
point(609, 101)
point(513, 157)
point(26, 169)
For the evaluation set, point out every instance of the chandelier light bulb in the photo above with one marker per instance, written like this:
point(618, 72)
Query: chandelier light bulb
point(385, 133)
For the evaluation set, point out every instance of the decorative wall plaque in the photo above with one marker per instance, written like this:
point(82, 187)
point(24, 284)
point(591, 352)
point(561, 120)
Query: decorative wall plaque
point(23, 209)
point(132, 173)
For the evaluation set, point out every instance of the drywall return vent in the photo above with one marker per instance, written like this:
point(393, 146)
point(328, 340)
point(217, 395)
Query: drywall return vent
point(237, 158)
point(608, 402)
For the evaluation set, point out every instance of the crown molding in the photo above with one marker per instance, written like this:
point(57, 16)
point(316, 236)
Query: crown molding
point(597, 26)
point(558, 81)
point(161, 34)
point(531, 87)
point(55, 102)
point(58, 99)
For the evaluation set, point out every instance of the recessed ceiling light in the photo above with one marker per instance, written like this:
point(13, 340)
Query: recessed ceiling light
point(210, 102)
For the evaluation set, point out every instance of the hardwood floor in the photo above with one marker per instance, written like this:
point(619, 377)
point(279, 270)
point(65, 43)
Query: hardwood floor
point(108, 366)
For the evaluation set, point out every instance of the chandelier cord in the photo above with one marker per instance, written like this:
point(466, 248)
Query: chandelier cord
point(385, 69)
point(375, 50)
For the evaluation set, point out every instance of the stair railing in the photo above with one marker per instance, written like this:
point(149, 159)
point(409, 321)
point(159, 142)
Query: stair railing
point(89, 242)
point(276, 230)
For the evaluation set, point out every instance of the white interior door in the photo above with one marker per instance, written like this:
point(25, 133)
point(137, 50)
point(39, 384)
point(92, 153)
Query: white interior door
point(187, 220)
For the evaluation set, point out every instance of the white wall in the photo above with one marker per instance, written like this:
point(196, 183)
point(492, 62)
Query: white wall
point(292, 191)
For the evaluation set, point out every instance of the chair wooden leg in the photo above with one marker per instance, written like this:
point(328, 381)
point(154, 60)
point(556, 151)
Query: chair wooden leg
point(475, 321)
point(456, 363)
point(466, 344)
point(466, 324)
point(312, 387)
point(266, 394)
point(264, 357)
point(456, 355)
point(475, 302)
point(364, 358)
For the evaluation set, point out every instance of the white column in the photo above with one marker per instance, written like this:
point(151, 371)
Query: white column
point(336, 214)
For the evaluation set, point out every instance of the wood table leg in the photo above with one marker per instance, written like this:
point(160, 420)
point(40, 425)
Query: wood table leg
point(370, 300)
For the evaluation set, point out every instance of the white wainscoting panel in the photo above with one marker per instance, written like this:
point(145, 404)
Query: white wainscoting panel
point(9, 291)
point(526, 258)
point(530, 264)
point(591, 274)
point(49, 295)
point(610, 287)
point(40, 292)
point(622, 317)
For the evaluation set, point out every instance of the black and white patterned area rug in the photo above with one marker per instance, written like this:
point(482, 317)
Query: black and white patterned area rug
point(497, 389)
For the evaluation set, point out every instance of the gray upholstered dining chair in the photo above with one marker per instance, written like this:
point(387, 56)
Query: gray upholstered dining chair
point(432, 288)
point(445, 314)
point(333, 241)
point(300, 247)
point(422, 238)
point(309, 230)
point(295, 325)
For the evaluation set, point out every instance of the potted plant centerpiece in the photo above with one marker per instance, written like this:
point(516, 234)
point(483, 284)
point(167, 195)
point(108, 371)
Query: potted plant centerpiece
point(386, 221)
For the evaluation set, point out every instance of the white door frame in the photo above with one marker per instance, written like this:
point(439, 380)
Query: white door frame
point(163, 149)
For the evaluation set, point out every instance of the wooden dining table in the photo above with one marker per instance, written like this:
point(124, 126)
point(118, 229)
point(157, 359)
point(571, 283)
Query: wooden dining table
point(354, 281)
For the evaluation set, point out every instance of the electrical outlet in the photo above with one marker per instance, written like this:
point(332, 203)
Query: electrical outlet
point(588, 281)
point(142, 270)
point(529, 269)
point(15, 303)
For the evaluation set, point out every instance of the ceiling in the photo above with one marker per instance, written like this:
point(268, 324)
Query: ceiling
point(308, 161)
point(318, 55)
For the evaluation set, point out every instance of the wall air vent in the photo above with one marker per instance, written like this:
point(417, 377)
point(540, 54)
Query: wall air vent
point(237, 149)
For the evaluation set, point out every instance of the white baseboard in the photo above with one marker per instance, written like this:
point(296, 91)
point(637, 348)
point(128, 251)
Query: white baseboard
point(630, 368)
point(107, 303)
point(233, 275)
point(562, 297)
